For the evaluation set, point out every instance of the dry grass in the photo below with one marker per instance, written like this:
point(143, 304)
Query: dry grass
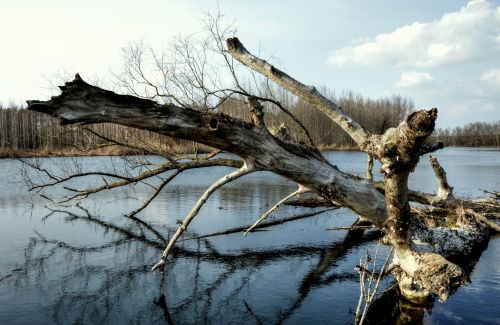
point(66, 152)
point(98, 151)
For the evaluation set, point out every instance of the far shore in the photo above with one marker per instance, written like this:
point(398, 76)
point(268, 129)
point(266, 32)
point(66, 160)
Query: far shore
point(6, 153)
point(118, 151)
point(77, 152)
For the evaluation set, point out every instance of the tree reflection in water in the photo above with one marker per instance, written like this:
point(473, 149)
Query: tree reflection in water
point(113, 282)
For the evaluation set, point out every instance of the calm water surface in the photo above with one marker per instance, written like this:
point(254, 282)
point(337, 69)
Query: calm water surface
point(94, 268)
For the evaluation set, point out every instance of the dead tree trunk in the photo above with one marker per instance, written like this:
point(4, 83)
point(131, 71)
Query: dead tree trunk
point(398, 149)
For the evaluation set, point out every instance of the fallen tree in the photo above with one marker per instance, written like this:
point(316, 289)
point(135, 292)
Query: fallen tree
point(423, 248)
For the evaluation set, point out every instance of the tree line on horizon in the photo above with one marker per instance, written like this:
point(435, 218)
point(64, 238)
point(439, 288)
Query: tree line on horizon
point(476, 134)
point(23, 130)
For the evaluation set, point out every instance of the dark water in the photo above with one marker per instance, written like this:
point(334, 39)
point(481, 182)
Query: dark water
point(95, 267)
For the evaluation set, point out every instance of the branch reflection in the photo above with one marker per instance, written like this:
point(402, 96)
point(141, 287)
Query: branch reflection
point(111, 281)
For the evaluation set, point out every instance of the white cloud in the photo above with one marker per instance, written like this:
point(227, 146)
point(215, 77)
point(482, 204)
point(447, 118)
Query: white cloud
point(472, 32)
point(413, 79)
point(491, 78)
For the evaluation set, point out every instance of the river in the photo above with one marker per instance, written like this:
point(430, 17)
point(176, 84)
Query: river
point(94, 266)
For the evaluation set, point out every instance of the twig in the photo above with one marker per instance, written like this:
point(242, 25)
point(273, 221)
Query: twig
point(367, 294)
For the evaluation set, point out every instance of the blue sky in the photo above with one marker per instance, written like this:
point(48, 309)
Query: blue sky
point(442, 53)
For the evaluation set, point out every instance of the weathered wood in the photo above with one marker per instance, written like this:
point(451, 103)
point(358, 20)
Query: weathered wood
point(83, 103)
point(398, 149)
point(445, 191)
point(308, 93)
point(384, 205)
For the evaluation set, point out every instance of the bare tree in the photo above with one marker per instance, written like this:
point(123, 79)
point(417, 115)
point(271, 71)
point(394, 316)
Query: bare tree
point(180, 98)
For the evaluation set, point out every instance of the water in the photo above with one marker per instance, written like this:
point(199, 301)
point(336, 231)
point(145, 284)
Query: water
point(96, 268)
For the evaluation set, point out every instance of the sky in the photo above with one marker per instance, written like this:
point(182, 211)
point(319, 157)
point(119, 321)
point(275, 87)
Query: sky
point(440, 53)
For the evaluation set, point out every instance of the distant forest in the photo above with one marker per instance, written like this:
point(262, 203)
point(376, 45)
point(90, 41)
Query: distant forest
point(24, 132)
point(477, 134)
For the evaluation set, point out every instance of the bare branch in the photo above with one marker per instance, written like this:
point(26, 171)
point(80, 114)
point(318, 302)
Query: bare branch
point(444, 192)
point(119, 143)
point(150, 173)
point(296, 162)
point(301, 190)
point(310, 94)
point(433, 147)
point(155, 194)
point(277, 104)
point(367, 294)
point(246, 169)
point(482, 219)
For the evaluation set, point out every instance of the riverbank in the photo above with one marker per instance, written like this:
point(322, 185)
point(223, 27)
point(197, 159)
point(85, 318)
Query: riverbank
point(103, 151)
point(66, 152)
point(121, 151)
